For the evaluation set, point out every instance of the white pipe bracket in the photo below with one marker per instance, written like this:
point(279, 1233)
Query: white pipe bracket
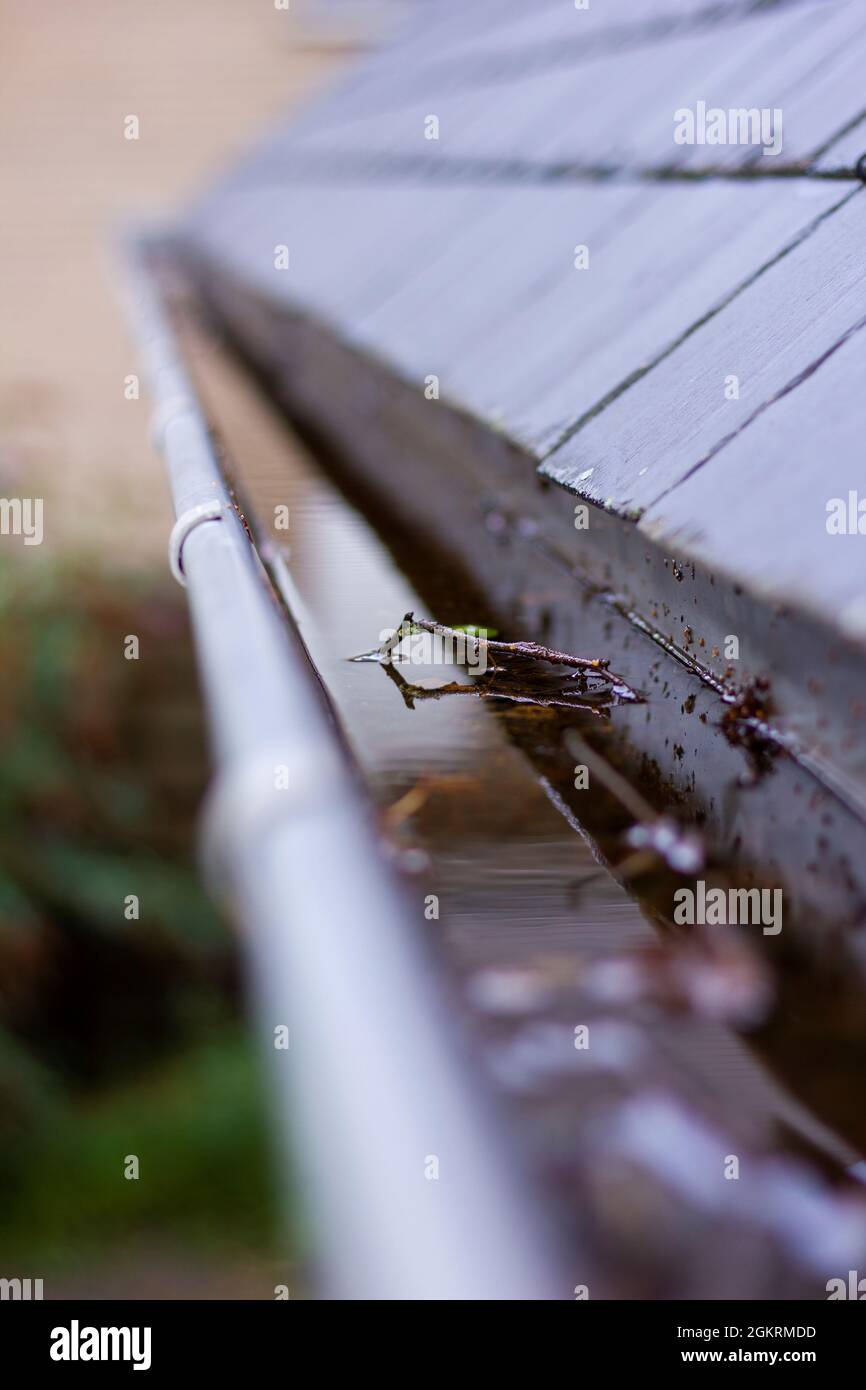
point(187, 522)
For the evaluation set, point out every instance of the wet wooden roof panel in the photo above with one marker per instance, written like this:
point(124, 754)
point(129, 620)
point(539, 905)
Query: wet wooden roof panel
point(613, 106)
point(678, 416)
point(761, 513)
point(455, 257)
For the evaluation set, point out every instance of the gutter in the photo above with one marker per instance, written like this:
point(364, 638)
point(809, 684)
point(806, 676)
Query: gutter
point(473, 499)
point(374, 1082)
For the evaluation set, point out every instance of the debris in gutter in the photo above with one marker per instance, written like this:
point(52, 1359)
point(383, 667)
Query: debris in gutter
point(511, 671)
point(745, 723)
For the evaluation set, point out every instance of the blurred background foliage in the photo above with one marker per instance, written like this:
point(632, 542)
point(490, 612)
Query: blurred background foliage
point(117, 1036)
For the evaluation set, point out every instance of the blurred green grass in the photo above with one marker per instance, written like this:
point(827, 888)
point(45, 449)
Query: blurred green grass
point(196, 1127)
point(117, 1036)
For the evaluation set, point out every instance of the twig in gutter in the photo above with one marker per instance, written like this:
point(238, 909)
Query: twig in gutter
point(590, 675)
point(531, 651)
point(488, 687)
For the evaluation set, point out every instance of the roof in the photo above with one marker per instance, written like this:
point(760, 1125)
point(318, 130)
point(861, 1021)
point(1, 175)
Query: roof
point(670, 332)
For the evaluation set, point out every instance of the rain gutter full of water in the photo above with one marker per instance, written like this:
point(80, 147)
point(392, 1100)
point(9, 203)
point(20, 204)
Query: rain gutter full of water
point(373, 1081)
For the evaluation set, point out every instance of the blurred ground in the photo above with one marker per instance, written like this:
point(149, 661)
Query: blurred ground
point(203, 77)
